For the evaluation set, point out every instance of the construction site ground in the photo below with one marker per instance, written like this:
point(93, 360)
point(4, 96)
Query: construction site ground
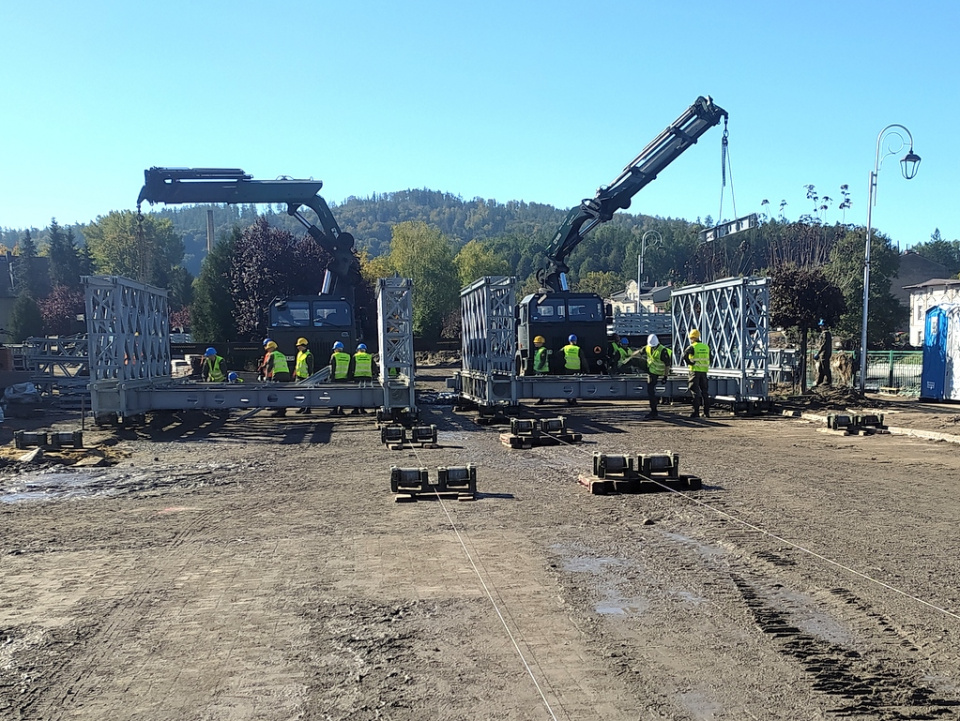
point(230, 568)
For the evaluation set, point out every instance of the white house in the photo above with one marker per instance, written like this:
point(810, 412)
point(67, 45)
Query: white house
point(651, 300)
point(926, 295)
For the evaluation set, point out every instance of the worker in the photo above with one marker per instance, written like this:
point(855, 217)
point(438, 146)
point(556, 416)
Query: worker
point(541, 356)
point(574, 361)
point(339, 363)
point(233, 378)
point(211, 369)
point(363, 369)
point(276, 370)
point(541, 360)
point(823, 354)
point(303, 367)
point(363, 366)
point(339, 370)
point(262, 368)
point(659, 361)
point(697, 357)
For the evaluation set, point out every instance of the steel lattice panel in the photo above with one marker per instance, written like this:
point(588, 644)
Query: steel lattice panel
point(488, 335)
point(395, 314)
point(128, 327)
point(733, 319)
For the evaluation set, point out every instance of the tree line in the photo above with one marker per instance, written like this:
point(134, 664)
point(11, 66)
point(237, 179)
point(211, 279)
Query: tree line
point(442, 242)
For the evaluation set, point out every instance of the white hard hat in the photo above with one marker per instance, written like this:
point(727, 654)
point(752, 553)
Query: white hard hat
point(652, 340)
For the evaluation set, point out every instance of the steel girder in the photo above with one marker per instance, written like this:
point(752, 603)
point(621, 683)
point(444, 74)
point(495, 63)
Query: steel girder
point(732, 316)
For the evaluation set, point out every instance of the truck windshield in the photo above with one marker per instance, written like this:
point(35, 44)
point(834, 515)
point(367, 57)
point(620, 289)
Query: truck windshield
point(585, 309)
point(292, 314)
point(549, 310)
point(327, 313)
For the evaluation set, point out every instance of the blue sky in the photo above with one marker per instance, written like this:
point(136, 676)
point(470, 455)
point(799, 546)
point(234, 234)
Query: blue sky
point(534, 101)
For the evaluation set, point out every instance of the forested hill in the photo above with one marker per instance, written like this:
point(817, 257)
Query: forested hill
point(519, 231)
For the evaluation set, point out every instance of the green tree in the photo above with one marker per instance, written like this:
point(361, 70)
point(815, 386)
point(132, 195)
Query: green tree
point(845, 270)
point(64, 257)
point(945, 252)
point(25, 319)
point(212, 311)
point(475, 260)
point(425, 255)
point(145, 250)
point(26, 277)
point(802, 297)
point(604, 284)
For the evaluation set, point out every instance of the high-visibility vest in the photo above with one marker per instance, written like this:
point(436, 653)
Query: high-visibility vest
point(571, 357)
point(341, 365)
point(541, 360)
point(620, 352)
point(701, 358)
point(655, 364)
point(215, 372)
point(303, 367)
point(362, 365)
point(280, 363)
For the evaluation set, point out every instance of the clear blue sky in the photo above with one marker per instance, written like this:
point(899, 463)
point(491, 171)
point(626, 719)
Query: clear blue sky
point(536, 101)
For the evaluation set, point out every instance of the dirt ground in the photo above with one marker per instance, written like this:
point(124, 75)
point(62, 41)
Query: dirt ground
point(259, 568)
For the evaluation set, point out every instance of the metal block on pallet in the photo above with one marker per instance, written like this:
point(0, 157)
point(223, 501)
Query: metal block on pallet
point(839, 421)
point(67, 438)
point(460, 479)
point(423, 434)
point(659, 464)
point(393, 435)
point(605, 465)
point(26, 439)
point(408, 480)
point(870, 420)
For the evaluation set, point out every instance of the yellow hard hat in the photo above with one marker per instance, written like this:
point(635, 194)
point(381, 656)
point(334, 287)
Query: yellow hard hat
point(694, 334)
point(302, 341)
point(539, 339)
point(271, 346)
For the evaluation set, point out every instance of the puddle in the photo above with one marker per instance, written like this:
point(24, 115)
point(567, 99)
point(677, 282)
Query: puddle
point(56, 485)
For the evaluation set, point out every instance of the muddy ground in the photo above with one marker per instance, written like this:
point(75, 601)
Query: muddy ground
point(260, 568)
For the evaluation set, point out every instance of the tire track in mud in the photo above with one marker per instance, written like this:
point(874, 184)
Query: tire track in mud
point(864, 683)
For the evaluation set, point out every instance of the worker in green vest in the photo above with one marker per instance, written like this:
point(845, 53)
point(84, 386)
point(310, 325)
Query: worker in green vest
point(363, 369)
point(303, 367)
point(211, 369)
point(697, 356)
point(659, 361)
point(276, 369)
point(574, 361)
point(541, 356)
point(339, 363)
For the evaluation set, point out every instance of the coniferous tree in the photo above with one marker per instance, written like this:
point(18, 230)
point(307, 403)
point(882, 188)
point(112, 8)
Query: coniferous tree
point(25, 275)
point(64, 258)
point(26, 320)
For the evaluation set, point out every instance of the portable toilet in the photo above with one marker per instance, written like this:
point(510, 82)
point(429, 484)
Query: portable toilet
point(940, 378)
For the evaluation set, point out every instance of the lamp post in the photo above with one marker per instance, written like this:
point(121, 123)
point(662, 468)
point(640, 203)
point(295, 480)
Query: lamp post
point(908, 165)
point(643, 247)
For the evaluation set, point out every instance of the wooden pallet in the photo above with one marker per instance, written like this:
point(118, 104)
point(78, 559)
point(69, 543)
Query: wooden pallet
point(640, 484)
point(544, 439)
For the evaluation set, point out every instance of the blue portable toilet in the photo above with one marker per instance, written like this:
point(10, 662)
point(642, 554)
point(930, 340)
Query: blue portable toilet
point(940, 378)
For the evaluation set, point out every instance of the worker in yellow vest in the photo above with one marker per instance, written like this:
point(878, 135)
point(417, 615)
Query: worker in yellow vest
point(211, 368)
point(659, 360)
point(363, 369)
point(339, 369)
point(574, 361)
point(276, 369)
point(303, 367)
point(697, 356)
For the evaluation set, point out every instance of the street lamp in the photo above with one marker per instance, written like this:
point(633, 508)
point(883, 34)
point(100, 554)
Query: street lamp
point(908, 165)
point(643, 246)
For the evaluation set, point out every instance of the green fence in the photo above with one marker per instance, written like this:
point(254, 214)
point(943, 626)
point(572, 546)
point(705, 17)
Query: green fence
point(888, 371)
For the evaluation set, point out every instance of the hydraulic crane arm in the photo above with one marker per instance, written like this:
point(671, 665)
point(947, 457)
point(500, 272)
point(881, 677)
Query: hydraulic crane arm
point(663, 150)
point(232, 185)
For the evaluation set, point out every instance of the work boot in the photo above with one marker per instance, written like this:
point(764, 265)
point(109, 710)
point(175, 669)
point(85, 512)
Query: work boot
point(306, 411)
point(354, 411)
point(539, 402)
point(695, 414)
point(706, 412)
point(301, 411)
point(280, 413)
point(571, 401)
point(651, 416)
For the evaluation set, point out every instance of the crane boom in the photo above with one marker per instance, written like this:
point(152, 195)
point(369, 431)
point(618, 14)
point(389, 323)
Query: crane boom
point(232, 185)
point(663, 150)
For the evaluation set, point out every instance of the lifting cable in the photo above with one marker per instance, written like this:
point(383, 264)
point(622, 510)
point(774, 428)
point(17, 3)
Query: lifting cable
point(797, 546)
point(496, 607)
point(725, 168)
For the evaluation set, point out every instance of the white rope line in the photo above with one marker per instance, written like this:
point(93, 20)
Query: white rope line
point(493, 602)
point(797, 546)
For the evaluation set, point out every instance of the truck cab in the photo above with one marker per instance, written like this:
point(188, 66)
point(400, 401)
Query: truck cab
point(322, 320)
point(556, 316)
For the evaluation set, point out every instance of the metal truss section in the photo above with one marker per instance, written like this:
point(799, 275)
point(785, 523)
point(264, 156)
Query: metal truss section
point(128, 329)
point(489, 341)
point(395, 317)
point(732, 316)
point(59, 366)
point(488, 332)
point(128, 338)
